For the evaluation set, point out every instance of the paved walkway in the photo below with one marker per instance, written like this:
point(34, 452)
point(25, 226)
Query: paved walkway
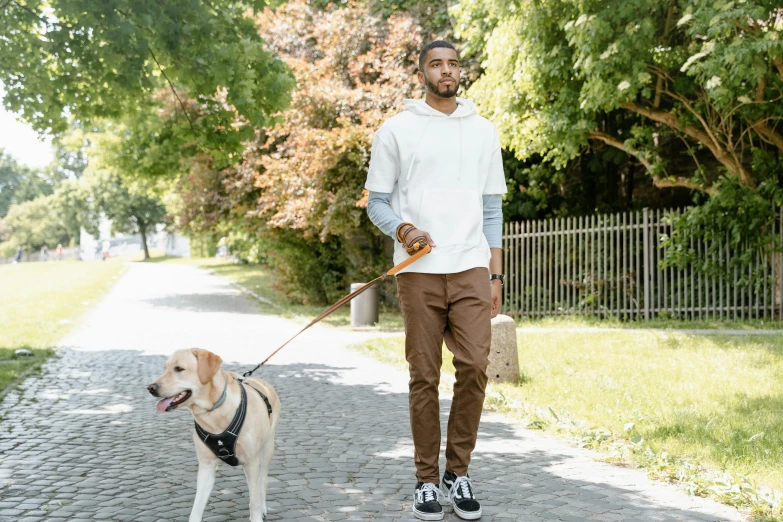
point(83, 442)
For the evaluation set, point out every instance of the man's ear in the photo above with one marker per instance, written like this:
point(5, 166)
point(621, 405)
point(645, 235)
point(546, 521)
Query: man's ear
point(208, 364)
point(420, 77)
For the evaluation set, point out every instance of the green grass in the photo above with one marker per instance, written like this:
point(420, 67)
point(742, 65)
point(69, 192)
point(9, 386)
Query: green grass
point(654, 324)
point(14, 368)
point(684, 407)
point(260, 280)
point(41, 303)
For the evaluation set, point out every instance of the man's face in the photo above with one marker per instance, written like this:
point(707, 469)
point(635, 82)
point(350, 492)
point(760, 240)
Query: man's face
point(440, 74)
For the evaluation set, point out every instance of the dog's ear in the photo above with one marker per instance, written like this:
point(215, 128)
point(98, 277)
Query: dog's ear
point(208, 364)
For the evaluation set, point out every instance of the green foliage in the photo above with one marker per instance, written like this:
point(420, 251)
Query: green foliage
point(691, 80)
point(689, 90)
point(738, 224)
point(33, 224)
point(96, 59)
point(18, 183)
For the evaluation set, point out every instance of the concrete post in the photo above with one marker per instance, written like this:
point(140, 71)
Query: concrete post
point(503, 355)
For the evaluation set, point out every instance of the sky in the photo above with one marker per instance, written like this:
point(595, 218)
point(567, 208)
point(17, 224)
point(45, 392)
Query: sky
point(21, 141)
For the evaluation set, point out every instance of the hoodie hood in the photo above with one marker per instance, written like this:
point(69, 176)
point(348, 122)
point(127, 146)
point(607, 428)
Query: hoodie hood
point(418, 106)
point(465, 108)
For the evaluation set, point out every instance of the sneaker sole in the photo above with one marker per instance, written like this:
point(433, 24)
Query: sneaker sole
point(467, 515)
point(427, 516)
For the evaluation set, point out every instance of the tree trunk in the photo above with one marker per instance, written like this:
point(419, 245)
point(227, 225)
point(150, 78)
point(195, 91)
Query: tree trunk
point(143, 230)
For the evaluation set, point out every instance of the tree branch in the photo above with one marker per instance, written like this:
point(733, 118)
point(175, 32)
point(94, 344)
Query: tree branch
point(658, 181)
point(173, 90)
point(769, 133)
point(670, 119)
point(760, 89)
point(765, 130)
point(779, 65)
point(698, 116)
point(666, 31)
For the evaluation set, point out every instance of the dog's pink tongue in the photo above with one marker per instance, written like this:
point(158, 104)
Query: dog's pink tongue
point(163, 404)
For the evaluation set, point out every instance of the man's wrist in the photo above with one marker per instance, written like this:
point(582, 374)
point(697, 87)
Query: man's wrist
point(401, 229)
point(497, 277)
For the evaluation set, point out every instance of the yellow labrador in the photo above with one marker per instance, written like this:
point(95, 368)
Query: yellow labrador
point(235, 421)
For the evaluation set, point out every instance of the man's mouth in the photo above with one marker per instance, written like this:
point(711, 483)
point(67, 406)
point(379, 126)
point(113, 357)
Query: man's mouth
point(171, 403)
point(447, 80)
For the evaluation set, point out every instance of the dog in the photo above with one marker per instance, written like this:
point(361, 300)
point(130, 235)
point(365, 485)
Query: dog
point(194, 379)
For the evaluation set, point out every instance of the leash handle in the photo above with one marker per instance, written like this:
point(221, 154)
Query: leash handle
point(412, 259)
point(415, 257)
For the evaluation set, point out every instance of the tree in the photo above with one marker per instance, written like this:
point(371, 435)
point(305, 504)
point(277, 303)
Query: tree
point(99, 59)
point(19, 183)
point(298, 189)
point(33, 224)
point(690, 91)
point(132, 208)
point(639, 76)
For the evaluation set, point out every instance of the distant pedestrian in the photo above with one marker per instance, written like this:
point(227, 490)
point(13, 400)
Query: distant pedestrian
point(106, 246)
point(44, 253)
point(59, 252)
point(19, 254)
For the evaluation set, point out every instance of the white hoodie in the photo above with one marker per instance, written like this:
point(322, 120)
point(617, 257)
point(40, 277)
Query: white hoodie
point(437, 167)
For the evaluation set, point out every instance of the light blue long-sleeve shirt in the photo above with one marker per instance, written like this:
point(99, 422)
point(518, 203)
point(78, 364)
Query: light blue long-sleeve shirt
point(386, 219)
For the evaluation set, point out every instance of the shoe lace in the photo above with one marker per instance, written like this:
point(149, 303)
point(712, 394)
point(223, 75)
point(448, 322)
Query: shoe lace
point(461, 489)
point(428, 492)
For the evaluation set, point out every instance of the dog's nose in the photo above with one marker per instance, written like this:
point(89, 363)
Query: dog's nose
point(153, 389)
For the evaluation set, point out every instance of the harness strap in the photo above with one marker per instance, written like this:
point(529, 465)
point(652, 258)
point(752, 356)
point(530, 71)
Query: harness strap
point(264, 397)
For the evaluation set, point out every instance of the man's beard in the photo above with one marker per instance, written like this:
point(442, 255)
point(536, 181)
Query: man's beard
point(450, 91)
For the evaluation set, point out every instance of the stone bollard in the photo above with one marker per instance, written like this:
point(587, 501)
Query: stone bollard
point(503, 355)
point(364, 307)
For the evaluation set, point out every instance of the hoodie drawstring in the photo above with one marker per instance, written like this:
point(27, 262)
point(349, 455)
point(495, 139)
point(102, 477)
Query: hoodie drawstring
point(459, 167)
point(418, 144)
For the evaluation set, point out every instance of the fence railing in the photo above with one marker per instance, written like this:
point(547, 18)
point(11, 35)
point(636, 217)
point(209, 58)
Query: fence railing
point(611, 265)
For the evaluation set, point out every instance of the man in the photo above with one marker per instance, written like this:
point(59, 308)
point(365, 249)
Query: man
point(436, 173)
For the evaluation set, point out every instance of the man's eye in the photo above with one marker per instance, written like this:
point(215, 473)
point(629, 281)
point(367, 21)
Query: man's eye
point(179, 369)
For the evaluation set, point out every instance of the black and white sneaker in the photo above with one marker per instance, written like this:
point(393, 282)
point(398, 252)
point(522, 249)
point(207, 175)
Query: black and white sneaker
point(426, 502)
point(458, 492)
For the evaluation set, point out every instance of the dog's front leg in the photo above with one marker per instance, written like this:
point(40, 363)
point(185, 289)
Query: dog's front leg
point(207, 464)
point(253, 474)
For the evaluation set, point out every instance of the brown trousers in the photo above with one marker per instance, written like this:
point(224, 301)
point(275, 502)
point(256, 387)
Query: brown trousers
point(455, 308)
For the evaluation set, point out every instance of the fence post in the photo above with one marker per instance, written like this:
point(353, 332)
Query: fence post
point(646, 262)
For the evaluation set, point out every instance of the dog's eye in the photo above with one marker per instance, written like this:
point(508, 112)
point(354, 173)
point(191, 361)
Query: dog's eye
point(179, 369)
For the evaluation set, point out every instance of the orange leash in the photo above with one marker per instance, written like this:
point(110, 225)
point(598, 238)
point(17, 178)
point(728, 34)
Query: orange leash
point(415, 257)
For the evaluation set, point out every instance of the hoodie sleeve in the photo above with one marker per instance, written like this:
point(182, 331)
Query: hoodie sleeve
point(384, 166)
point(496, 179)
point(382, 215)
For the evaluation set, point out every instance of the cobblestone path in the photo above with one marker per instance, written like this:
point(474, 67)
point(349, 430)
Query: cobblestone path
point(82, 441)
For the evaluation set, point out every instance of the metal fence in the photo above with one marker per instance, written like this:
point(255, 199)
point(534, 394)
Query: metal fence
point(611, 265)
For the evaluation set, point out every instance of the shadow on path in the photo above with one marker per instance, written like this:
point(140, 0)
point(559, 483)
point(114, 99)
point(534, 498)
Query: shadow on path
point(83, 442)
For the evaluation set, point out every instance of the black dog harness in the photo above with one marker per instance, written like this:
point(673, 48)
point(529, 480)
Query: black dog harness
point(223, 444)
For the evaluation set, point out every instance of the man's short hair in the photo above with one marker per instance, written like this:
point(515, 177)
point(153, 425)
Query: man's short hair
point(434, 45)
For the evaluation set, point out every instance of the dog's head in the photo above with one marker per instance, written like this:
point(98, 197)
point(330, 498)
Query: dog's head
point(188, 373)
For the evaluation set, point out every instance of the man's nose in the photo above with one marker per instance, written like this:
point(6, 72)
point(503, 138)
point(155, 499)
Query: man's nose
point(153, 389)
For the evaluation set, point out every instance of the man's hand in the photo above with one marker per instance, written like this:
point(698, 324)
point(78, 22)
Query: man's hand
point(410, 236)
point(496, 291)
